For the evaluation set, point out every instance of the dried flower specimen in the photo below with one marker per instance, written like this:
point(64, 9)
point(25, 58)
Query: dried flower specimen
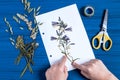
point(26, 50)
point(64, 42)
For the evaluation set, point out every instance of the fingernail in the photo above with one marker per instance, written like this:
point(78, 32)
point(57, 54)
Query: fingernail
point(64, 57)
point(73, 63)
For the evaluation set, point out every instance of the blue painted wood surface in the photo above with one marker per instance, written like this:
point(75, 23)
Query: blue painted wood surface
point(8, 54)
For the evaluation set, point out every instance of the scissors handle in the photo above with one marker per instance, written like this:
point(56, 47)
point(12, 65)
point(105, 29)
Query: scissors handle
point(98, 38)
point(107, 39)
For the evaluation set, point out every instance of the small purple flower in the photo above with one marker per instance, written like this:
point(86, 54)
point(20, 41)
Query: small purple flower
point(63, 25)
point(53, 38)
point(68, 29)
point(55, 23)
point(59, 19)
point(66, 38)
point(72, 43)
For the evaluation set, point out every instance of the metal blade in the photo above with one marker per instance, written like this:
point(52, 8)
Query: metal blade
point(105, 20)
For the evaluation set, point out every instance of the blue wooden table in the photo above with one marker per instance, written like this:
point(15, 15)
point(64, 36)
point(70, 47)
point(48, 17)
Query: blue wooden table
point(8, 53)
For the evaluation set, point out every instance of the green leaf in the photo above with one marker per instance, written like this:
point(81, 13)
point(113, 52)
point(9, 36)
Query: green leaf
point(57, 33)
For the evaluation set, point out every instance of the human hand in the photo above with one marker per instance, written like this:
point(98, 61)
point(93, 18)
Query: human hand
point(95, 70)
point(57, 71)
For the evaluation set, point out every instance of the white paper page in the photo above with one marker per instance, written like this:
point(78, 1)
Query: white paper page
point(70, 15)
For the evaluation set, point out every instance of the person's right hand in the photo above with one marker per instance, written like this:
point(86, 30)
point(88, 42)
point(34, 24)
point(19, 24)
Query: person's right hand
point(95, 70)
point(57, 71)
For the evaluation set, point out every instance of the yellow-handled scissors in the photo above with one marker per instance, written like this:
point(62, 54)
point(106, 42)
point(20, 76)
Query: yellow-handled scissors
point(102, 37)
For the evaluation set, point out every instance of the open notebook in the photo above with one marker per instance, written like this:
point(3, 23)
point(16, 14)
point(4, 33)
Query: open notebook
point(72, 33)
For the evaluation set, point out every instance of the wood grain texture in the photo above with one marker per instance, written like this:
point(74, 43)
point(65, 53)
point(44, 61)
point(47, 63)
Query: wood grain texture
point(8, 8)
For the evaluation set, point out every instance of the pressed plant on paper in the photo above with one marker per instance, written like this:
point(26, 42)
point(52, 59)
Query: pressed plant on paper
point(64, 42)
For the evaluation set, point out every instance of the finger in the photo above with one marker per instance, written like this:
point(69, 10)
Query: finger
point(86, 64)
point(62, 62)
point(93, 60)
point(47, 71)
point(65, 68)
point(75, 65)
point(85, 74)
point(81, 67)
point(65, 71)
point(54, 64)
point(89, 62)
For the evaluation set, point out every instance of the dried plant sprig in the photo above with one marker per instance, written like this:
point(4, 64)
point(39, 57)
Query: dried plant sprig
point(21, 28)
point(27, 6)
point(64, 42)
point(29, 23)
point(16, 19)
point(12, 41)
point(6, 30)
point(29, 9)
point(34, 30)
point(26, 51)
point(30, 47)
point(9, 30)
point(9, 26)
point(35, 11)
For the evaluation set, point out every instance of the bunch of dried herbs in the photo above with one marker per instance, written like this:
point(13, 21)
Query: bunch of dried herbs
point(26, 49)
point(64, 42)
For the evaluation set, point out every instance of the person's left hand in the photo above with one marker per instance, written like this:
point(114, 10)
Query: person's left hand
point(57, 71)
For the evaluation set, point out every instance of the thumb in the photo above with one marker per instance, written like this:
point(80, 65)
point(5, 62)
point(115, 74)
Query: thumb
point(62, 62)
point(78, 66)
point(65, 71)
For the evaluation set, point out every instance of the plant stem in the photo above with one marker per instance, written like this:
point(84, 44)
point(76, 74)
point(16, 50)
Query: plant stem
point(68, 58)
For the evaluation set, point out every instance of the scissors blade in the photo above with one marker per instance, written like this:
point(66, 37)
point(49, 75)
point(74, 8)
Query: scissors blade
point(105, 19)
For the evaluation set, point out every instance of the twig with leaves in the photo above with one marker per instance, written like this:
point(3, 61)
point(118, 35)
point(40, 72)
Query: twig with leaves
point(64, 42)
